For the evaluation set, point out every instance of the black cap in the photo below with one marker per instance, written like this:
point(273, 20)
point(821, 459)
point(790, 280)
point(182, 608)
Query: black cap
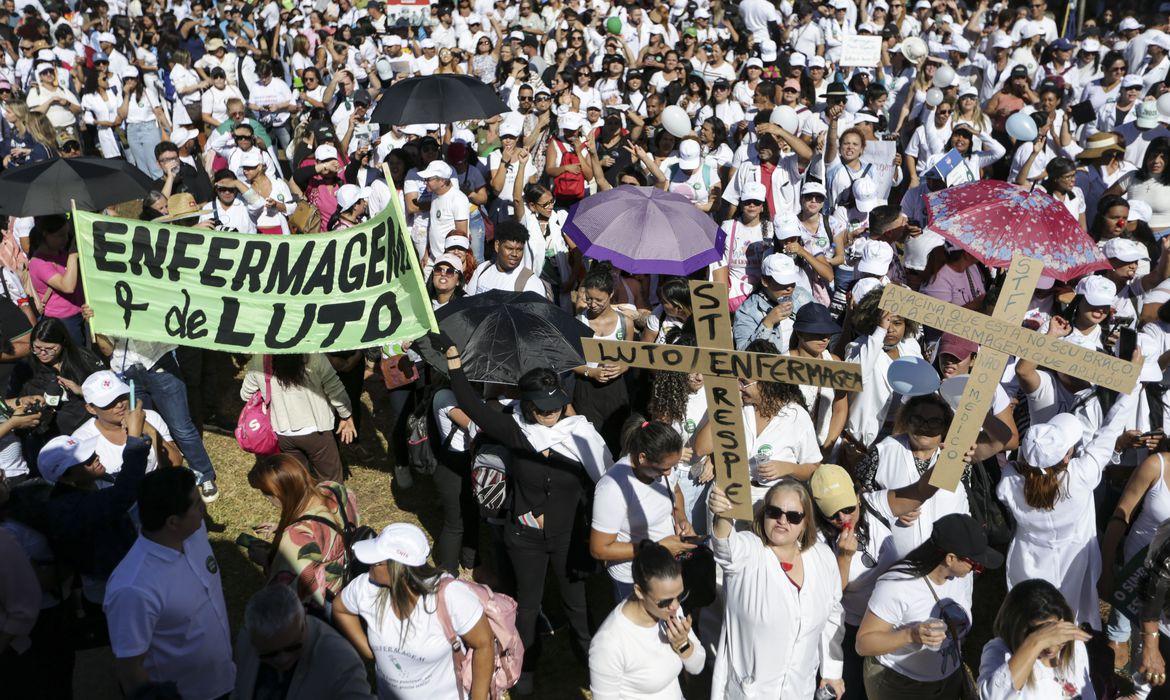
point(1019, 72)
point(324, 133)
point(362, 97)
point(815, 319)
point(962, 536)
point(546, 400)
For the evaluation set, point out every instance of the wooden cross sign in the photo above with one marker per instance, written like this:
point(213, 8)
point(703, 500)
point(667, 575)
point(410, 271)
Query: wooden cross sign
point(722, 366)
point(999, 336)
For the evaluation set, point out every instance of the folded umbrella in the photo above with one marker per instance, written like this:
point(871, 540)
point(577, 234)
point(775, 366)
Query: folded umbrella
point(992, 220)
point(55, 186)
point(502, 335)
point(645, 230)
point(437, 99)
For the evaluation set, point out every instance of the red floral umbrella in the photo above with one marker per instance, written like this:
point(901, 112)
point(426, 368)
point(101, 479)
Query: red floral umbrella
point(994, 220)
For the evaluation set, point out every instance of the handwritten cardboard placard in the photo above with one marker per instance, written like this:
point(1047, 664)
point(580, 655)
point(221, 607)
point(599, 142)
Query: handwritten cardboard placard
point(878, 156)
point(861, 51)
point(724, 405)
point(989, 366)
point(1013, 339)
point(732, 364)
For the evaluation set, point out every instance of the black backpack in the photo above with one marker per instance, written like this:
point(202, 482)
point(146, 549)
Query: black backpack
point(350, 534)
point(992, 516)
point(421, 453)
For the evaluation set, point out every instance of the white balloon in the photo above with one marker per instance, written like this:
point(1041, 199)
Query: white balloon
point(934, 97)
point(1164, 105)
point(1021, 127)
point(786, 118)
point(943, 76)
point(676, 121)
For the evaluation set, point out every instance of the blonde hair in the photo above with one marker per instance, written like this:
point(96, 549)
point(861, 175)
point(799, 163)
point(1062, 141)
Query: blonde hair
point(808, 533)
point(20, 111)
point(42, 130)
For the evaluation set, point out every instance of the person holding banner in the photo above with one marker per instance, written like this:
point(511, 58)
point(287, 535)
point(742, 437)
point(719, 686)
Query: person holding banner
point(56, 276)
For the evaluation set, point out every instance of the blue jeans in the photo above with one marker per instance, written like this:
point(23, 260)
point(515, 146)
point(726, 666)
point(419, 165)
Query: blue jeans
point(78, 333)
point(476, 231)
point(169, 395)
point(695, 501)
point(621, 590)
point(143, 137)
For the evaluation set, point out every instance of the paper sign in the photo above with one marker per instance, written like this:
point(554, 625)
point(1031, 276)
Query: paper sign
point(1013, 339)
point(861, 51)
point(989, 366)
point(724, 406)
point(357, 288)
point(879, 156)
point(732, 364)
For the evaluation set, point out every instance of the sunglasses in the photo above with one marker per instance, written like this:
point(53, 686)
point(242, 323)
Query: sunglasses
point(242, 137)
point(794, 517)
point(753, 203)
point(444, 271)
point(290, 649)
point(844, 511)
point(976, 567)
point(664, 604)
point(226, 189)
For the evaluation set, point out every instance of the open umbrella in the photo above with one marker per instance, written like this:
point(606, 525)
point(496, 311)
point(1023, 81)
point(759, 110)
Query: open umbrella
point(54, 186)
point(437, 99)
point(501, 335)
point(992, 220)
point(645, 230)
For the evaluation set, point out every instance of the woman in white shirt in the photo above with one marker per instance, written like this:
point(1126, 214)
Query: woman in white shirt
point(145, 121)
point(679, 400)
point(812, 330)
point(399, 600)
point(1038, 651)
point(749, 240)
point(215, 98)
point(782, 591)
point(1060, 181)
point(645, 643)
point(189, 90)
point(101, 112)
point(919, 613)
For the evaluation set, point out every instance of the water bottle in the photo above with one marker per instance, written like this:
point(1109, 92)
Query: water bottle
point(825, 692)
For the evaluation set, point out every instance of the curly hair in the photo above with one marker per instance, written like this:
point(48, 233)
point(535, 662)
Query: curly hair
point(774, 396)
point(668, 390)
point(867, 315)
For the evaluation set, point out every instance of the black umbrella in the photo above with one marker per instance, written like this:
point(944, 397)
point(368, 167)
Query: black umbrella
point(501, 335)
point(55, 186)
point(437, 99)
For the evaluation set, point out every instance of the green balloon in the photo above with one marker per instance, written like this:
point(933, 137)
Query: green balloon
point(613, 25)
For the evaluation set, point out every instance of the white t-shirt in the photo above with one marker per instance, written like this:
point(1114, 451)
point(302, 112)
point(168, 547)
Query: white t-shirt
point(417, 665)
point(746, 249)
point(633, 510)
point(627, 660)
point(111, 454)
point(904, 601)
point(446, 209)
point(789, 437)
point(442, 406)
point(489, 276)
point(140, 110)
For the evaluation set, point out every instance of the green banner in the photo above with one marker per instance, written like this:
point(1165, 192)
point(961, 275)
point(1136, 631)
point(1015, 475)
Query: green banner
point(350, 289)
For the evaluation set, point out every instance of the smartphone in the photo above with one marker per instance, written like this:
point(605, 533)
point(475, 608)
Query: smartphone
point(1126, 343)
point(1152, 433)
point(693, 539)
point(246, 540)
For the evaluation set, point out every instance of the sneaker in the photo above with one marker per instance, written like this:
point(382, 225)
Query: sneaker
point(208, 491)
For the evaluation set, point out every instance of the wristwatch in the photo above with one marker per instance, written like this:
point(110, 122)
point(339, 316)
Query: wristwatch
point(684, 648)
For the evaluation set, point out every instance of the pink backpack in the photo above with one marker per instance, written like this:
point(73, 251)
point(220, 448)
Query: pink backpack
point(501, 616)
point(254, 430)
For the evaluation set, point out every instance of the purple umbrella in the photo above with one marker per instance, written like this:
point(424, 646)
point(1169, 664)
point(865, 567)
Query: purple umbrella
point(645, 230)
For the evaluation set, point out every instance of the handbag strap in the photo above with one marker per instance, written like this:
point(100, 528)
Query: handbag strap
point(449, 631)
point(267, 379)
point(951, 632)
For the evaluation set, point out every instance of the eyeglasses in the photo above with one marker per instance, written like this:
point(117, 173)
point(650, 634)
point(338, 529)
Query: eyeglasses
point(290, 649)
point(794, 517)
point(543, 98)
point(664, 604)
point(844, 511)
point(444, 271)
point(944, 112)
point(744, 384)
point(524, 99)
point(976, 567)
point(41, 350)
point(236, 115)
point(928, 423)
point(544, 204)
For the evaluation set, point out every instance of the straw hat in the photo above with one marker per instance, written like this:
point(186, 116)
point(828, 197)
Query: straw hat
point(179, 207)
point(1101, 143)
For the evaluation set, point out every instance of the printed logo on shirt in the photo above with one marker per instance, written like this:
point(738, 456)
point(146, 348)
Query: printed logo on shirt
point(211, 564)
point(764, 450)
point(689, 426)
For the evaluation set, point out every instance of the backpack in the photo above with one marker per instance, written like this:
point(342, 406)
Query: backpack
point(568, 186)
point(509, 650)
point(254, 431)
point(489, 478)
point(420, 425)
point(986, 508)
point(350, 534)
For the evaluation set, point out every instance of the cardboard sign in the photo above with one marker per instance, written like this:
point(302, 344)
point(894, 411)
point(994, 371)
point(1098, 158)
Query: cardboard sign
point(252, 293)
point(730, 364)
point(712, 319)
point(989, 366)
point(879, 156)
point(1013, 339)
point(861, 51)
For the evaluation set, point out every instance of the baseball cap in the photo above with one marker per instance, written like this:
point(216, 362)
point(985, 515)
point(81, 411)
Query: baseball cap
point(1140, 210)
point(1125, 250)
point(48, 67)
point(511, 127)
point(103, 388)
point(250, 159)
point(768, 51)
point(324, 152)
point(1046, 444)
point(1061, 44)
point(404, 543)
point(1001, 41)
point(959, 348)
point(917, 249)
point(792, 83)
point(1131, 80)
point(457, 242)
point(544, 400)
point(213, 44)
point(181, 135)
point(961, 535)
point(450, 259)
point(1147, 115)
point(1129, 24)
point(1019, 71)
point(796, 58)
point(812, 187)
point(348, 196)
point(831, 487)
point(780, 268)
point(108, 38)
point(754, 62)
point(62, 453)
point(876, 258)
point(426, 44)
point(865, 195)
point(688, 154)
point(1097, 290)
point(754, 191)
point(816, 62)
point(437, 168)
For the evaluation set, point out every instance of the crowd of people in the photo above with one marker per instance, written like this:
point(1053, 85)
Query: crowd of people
point(855, 578)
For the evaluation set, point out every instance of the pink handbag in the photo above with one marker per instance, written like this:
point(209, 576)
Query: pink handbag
point(254, 430)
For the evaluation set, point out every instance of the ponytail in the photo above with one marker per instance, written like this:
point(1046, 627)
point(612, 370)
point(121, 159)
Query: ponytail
point(653, 438)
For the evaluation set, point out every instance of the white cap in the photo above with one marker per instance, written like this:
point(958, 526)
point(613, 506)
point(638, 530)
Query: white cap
point(1001, 41)
point(570, 122)
point(251, 158)
point(917, 249)
point(969, 91)
point(702, 13)
point(812, 187)
point(457, 242)
point(863, 287)
point(42, 67)
point(129, 72)
point(62, 453)
point(426, 44)
point(880, 5)
point(437, 168)
point(922, 5)
point(1097, 290)
point(1045, 445)
point(876, 259)
point(1140, 210)
point(511, 127)
point(865, 194)
point(348, 196)
point(1147, 114)
point(401, 542)
point(1132, 80)
point(796, 58)
point(754, 191)
point(393, 40)
point(841, 4)
point(781, 268)
point(1125, 250)
point(1091, 46)
point(181, 135)
point(107, 38)
point(474, 19)
point(1161, 40)
point(754, 61)
point(768, 50)
point(324, 152)
point(816, 61)
point(1028, 29)
point(1128, 24)
point(103, 388)
point(450, 259)
point(688, 154)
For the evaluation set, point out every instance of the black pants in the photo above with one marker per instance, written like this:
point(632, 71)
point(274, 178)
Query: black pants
point(852, 668)
point(46, 669)
point(354, 382)
point(532, 550)
point(460, 534)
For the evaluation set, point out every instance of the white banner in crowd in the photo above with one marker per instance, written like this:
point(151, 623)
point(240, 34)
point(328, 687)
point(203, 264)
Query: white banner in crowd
point(879, 155)
point(861, 51)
